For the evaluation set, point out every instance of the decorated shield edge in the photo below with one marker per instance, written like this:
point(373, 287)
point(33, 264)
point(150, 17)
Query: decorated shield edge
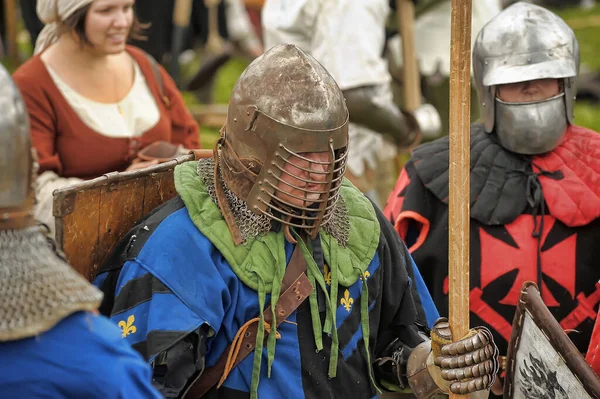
point(542, 362)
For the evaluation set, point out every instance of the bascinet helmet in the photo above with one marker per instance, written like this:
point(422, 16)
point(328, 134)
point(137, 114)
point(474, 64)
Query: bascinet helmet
point(283, 105)
point(37, 288)
point(526, 42)
point(16, 160)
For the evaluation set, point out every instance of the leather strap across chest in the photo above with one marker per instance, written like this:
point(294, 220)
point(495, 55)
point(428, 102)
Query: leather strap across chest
point(296, 288)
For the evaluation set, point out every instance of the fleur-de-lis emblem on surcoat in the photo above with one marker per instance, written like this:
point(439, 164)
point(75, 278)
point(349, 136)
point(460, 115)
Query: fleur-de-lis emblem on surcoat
point(127, 327)
point(347, 301)
point(327, 275)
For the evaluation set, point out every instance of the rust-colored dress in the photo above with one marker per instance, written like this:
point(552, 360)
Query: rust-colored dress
point(68, 147)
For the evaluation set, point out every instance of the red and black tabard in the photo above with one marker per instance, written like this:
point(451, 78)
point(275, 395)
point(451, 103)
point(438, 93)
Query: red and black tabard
point(532, 218)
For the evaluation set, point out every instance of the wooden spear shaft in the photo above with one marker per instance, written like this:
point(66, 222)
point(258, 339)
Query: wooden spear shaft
point(459, 190)
point(10, 21)
point(411, 79)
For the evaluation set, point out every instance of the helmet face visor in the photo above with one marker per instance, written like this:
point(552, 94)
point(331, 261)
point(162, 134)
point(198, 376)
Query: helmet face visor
point(531, 127)
point(302, 189)
point(299, 182)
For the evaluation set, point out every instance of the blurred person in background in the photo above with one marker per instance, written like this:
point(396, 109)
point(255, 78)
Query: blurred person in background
point(432, 22)
point(94, 102)
point(233, 25)
point(233, 20)
point(348, 37)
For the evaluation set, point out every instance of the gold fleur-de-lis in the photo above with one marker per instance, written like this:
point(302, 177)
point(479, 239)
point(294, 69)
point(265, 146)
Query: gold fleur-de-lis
point(127, 327)
point(327, 274)
point(347, 301)
point(366, 275)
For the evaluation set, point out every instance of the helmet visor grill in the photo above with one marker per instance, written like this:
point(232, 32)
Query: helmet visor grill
point(301, 191)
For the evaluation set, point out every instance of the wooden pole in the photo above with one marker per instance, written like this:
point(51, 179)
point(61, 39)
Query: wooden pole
point(255, 4)
point(10, 21)
point(214, 42)
point(459, 181)
point(182, 11)
point(411, 79)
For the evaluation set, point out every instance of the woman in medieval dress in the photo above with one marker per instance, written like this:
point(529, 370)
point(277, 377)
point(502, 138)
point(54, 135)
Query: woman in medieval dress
point(93, 101)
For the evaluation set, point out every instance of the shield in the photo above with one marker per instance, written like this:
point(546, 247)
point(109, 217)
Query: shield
point(91, 217)
point(542, 361)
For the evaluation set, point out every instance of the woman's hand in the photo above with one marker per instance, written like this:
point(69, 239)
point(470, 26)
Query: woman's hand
point(137, 164)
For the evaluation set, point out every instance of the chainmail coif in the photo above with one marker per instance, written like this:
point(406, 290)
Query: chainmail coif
point(37, 288)
point(252, 225)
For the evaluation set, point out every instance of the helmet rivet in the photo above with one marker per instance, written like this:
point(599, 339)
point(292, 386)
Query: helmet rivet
point(486, 63)
point(483, 104)
point(235, 119)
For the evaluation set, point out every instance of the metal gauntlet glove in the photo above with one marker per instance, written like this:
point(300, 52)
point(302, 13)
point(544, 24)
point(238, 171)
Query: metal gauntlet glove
point(441, 366)
point(469, 364)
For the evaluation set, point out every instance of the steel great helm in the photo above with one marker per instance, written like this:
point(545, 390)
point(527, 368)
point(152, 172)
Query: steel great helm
point(526, 42)
point(283, 105)
point(16, 159)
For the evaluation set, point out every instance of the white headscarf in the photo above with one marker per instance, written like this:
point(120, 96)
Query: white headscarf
point(52, 12)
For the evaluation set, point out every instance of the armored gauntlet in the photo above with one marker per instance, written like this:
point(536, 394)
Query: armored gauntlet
point(469, 364)
point(441, 366)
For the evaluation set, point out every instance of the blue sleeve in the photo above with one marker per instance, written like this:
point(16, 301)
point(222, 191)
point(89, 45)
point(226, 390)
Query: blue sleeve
point(81, 357)
point(151, 317)
point(171, 289)
point(431, 312)
point(131, 376)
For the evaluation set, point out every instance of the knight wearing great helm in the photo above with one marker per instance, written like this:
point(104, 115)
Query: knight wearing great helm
point(52, 341)
point(270, 275)
point(535, 183)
